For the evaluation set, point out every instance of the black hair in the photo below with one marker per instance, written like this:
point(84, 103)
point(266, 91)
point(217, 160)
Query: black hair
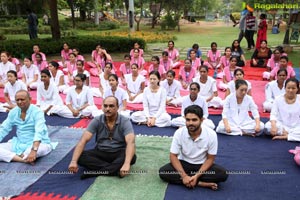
point(54, 64)
point(171, 72)
point(46, 71)
point(285, 58)
point(156, 73)
point(194, 109)
point(165, 53)
point(204, 66)
point(239, 83)
point(238, 70)
point(282, 70)
point(196, 84)
point(81, 76)
point(114, 76)
point(13, 72)
point(292, 80)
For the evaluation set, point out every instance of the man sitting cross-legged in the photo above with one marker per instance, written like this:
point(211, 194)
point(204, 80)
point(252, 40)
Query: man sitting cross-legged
point(192, 154)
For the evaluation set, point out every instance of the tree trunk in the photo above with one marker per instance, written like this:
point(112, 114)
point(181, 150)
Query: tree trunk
point(138, 21)
point(55, 30)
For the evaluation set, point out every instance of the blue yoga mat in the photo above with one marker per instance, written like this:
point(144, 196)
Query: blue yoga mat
point(18, 176)
point(297, 71)
point(259, 169)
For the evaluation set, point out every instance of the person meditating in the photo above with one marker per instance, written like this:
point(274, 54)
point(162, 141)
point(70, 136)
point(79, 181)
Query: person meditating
point(31, 140)
point(115, 144)
point(192, 154)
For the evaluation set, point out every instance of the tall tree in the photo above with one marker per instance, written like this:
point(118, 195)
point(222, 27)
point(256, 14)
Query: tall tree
point(55, 30)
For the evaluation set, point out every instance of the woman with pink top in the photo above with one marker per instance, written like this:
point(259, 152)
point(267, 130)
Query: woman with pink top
point(41, 64)
point(17, 63)
point(137, 46)
point(64, 53)
point(283, 64)
point(213, 56)
point(196, 62)
point(94, 60)
point(186, 74)
point(77, 54)
point(228, 73)
point(102, 58)
point(157, 67)
point(173, 54)
point(139, 61)
point(273, 61)
point(70, 66)
point(125, 68)
point(166, 61)
point(36, 49)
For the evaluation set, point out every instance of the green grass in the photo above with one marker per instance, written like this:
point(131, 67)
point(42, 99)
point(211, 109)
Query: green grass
point(203, 34)
point(152, 153)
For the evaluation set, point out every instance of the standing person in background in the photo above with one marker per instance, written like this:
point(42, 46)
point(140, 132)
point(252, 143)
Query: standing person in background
point(250, 28)
point(262, 30)
point(32, 22)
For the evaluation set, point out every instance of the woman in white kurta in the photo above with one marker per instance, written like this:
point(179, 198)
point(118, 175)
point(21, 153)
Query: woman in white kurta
point(57, 76)
point(47, 97)
point(235, 116)
point(208, 88)
point(285, 114)
point(172, 88)
point(103, 81)
point(117, 92)
point(12, 86)
point(154, 103)
point(5, 66)
point(274, 89)
point(238, 75)
point(30, 74)
point(135, 84)
point(79, 100)
point(193, 99)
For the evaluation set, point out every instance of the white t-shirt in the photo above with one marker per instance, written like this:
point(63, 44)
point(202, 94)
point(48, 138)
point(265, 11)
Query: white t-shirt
point(11, 90)
point(134, 86)
point(172, 90)
point(78, 100)
point(4, 68)
point(49, 96)
point(194, 151)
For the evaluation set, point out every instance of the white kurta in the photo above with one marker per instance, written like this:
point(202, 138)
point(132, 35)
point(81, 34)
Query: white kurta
point(287, 117)
point(173, 91)
point(207, 89)
point(77, 101)
point(56, 80)
point(49, 97)
point(154, 104)
point(134, 87)
point(11, 90)
point(4, 68)
point(29, 73)
point(180, 121)
point(238, 116)
point(105, 85)
point(121, 95)
point(272, 91)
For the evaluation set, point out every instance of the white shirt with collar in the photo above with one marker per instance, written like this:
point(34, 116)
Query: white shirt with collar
point(194, 151)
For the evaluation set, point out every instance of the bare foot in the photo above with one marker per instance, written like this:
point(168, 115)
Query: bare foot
point(212, 186)
point(280, 137)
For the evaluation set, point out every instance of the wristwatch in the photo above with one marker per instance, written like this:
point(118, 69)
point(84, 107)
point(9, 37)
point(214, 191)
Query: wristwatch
point(34, 148)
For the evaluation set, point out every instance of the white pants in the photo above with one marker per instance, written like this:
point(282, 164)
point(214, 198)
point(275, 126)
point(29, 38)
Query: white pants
point(162, 121)
point(247, 127)
point(266, 75)
point(54, 109)
point(2, 108)
point(177, 101)
point(6, 153)
point(222, 85)
point(293, 133)
point(216, 102)
point(180, 121)
point(137, 99)
point(64, 111)
point(267, 106)
point(33, 85)
point(96, 92)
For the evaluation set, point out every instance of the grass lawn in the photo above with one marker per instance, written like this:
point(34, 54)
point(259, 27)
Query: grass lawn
point(202, 33)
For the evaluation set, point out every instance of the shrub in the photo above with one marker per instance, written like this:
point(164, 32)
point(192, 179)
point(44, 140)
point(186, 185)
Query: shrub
point(168, 22)
point(86, 44)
